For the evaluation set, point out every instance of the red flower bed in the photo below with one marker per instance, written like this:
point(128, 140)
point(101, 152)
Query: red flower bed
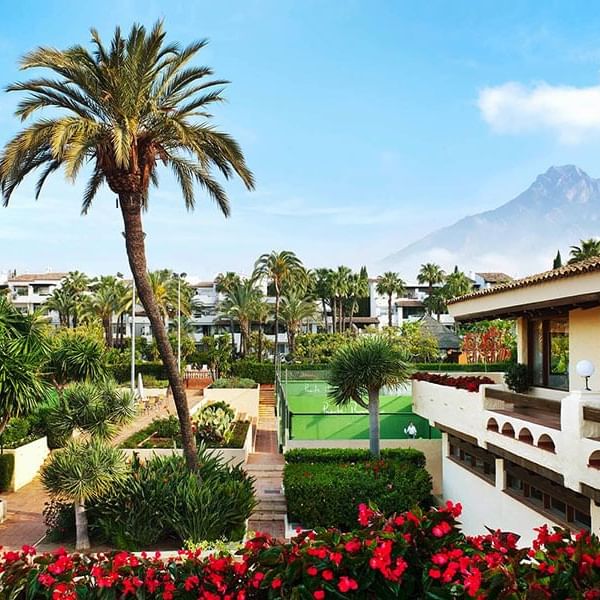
point(470, 383)
point(409, 556)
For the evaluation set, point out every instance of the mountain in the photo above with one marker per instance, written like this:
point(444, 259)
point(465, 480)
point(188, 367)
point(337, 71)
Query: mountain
point(520, 237)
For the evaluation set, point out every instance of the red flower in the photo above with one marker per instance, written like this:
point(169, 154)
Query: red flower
point(352, 546)
point(346, 584)
point(276, 583)
point(327, 575)
point(312, 571)
point(319, 595)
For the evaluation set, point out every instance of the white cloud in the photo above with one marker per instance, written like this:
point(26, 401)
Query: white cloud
point(573, 113)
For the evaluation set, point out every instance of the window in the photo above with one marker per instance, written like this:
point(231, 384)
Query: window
point(549, 352)
point(547, 497)
point(474, 459)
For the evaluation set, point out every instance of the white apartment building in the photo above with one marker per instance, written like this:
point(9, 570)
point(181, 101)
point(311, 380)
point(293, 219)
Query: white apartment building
point(517, 460)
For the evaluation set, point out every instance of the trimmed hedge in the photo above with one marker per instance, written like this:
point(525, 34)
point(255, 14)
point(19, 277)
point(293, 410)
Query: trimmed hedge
point(122, 373)
point(226, 383)
point(326, 494)
point(261, 372)
point(349, 455)
point(7, 468)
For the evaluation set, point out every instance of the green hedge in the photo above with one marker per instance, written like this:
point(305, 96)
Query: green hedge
point(348, 455)
point(122, 373)
point(474, 368)
point(7, 468)
point(232, 383)
point(326, 494)
point(261, 372)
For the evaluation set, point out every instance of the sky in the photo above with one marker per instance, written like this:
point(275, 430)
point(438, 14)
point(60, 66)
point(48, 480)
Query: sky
point(367, 124)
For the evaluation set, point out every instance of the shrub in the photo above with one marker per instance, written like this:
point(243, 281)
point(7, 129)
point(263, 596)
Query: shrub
point(122, 372)
point(167, 428)
point(411, 555)
point(210, 504)
point(233, 382)
point(468, 368)
point(213, 423)
point(348, 455)
point(518, 378)
point(59, 518)
point(326, 494)
point(18, 432)
point(239, 430)
point(261, 372)
point(469, 383)
point(7, 468)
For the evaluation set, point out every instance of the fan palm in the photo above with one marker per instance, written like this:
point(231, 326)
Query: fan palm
point(431, 274)
point(82, 472)
point(587, 249)
point(281, 269)
point(390, 284)
point(295, 308)
point(123, 108)
point(358, 372)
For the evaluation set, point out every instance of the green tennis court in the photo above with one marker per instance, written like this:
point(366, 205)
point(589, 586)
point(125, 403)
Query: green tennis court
point(314, 416)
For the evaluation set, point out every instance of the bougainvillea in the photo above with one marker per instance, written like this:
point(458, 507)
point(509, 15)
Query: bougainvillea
point(470, 383)
point(412, 555)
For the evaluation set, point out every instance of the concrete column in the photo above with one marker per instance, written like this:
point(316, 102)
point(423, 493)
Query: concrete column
point(500, 475)
point(522, 353)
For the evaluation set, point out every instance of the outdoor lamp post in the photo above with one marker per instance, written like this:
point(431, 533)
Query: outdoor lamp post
point(585, 368)
point(179, 278)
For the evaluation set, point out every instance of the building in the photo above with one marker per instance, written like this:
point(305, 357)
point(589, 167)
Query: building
point(518, 460)
point(483, 281)
point(30, 291)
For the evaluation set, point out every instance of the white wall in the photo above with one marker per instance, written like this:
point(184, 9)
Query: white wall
point(241, 400)
point(28, 460)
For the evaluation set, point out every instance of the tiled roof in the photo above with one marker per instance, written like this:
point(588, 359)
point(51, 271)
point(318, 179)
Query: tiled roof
point(495, 277)
point(590, 265)
point(29, 277)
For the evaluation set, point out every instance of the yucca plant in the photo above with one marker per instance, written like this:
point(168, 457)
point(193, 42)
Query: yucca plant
point(358, 372)
point(124, 109)
point(82, 472)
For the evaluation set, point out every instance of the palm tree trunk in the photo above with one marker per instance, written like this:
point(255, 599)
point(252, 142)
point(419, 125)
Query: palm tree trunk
point(324, 308)
point(107, 331)
point(374, 422)
point(131, 206)
point(233, 347)
point(292, 341)
point(260, 342)
point(82, 539)
point(276, 326)
point(389, 310)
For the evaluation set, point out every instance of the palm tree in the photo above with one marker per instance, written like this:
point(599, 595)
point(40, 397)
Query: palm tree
point(322, 290)
point(587, 249)
point(295, 308)
point(224, 283)
point(339, 288)
point(126, 108)
point(239, 304)
point(82, 472)
point(104, 303)
point(390, 284)
point(358, 372)
point(63, 302)
point(23, 348)
point(457, 284)
point(261, 311)
point(431, 274)
point(76, 284)
point(358, 288)
point(281, 269)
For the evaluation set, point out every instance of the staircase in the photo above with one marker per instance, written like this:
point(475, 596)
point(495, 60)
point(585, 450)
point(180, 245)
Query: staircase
point(266, 466)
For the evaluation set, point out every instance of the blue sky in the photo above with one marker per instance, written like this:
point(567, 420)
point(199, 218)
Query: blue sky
point(367, 125)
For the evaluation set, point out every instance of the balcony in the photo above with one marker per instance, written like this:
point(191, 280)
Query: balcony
point(559, 432)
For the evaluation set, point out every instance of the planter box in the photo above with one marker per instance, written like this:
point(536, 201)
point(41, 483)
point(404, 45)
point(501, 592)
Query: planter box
point(237, 456)
point(28, 460)
point(242, 400)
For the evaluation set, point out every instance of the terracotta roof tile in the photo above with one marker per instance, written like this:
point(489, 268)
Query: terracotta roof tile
point(29, 277)
point(589, 265)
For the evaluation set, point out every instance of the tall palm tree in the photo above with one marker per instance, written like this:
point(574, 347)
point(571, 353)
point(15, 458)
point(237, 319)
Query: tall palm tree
point(456, 284)
point(261, 311)
point(589, 248)
point(358, 288)
point(390, 284)
point(431, 274)
point(358, 372)
point(76, 284)
point(339, 287)
point(82, 472)
point(281, 269)
point(295, 308)
point(104, 302)
point(63, 302)
point(322, 289)
point(125, 108)
point(224, 283)
point(239, 304)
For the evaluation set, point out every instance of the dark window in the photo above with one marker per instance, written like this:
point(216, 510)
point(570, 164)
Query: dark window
point(548, 497)
point(549, 352)
point(475, 459)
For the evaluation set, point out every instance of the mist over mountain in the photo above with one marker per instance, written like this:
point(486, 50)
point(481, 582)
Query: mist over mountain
point(520, 237)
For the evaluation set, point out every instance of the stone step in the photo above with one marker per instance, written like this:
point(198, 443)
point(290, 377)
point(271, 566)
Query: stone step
point(272, 506)
point(274, 528)
point(266, 467)
point(268, 515)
